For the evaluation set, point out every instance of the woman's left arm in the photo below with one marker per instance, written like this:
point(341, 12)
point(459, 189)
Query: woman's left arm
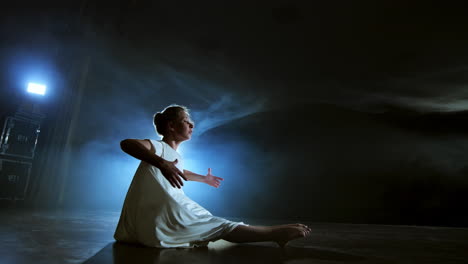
point(192, 176)
point(209, 179)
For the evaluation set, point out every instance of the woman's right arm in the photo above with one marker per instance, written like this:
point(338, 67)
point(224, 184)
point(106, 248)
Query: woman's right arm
point(143, 150)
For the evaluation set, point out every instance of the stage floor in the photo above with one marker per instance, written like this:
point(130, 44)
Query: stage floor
point(86, 237)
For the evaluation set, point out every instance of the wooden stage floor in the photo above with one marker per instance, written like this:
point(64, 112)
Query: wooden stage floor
point(86, 237)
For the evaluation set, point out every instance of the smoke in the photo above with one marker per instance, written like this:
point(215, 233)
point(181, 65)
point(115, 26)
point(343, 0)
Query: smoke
point(452, 102)
point(378, 103)
point(441, 90)
point(124, 90)
point(226, 109)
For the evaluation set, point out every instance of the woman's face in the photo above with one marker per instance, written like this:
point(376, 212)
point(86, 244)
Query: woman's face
point(183, 127)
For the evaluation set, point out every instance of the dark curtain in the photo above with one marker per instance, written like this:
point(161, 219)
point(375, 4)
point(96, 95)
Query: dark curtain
point(73, 54)
point(52, 165)
point(72, 61)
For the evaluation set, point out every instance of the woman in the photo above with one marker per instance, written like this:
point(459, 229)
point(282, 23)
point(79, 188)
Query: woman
point(156, 211)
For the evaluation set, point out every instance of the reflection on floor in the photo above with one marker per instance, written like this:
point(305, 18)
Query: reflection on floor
point(77, 237)
point(222, 252)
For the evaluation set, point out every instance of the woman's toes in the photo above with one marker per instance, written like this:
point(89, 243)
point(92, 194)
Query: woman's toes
point(306, 231)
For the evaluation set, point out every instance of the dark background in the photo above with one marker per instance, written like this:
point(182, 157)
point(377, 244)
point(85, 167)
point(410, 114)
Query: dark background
point(340, 111)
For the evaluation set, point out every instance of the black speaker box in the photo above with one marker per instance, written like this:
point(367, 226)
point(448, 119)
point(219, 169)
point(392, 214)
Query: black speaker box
point(14, 179)
point(19, 137)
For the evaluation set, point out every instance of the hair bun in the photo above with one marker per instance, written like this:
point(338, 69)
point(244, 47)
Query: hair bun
point(159, 116)
point(162, 119)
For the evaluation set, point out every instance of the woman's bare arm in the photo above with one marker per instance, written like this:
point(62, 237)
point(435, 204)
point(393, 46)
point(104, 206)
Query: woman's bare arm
point(192, 176)
point(209, 179)
point(143, 150)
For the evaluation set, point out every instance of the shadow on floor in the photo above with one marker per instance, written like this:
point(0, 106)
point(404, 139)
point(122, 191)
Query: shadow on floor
point(218, 252)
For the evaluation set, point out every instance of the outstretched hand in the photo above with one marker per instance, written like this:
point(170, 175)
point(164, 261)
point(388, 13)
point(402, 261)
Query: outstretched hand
point(212, 180)
point(172, 173)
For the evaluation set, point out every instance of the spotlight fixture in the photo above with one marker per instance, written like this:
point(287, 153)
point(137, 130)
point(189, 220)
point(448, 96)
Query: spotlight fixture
point(36, 88)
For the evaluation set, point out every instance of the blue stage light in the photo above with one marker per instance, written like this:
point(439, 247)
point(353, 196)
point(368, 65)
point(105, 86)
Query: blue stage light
point(36, 88)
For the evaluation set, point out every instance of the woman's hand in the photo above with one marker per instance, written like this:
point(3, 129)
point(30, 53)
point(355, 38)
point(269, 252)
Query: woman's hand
point(212, 180)
point(172, 173)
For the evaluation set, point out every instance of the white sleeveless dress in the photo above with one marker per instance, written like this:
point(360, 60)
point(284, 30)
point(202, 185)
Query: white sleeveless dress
point(156, 214)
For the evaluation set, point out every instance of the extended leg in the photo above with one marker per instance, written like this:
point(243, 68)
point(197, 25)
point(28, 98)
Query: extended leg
point(280, 234)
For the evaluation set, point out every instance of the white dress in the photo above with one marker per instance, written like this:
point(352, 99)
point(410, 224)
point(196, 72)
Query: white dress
point(156, 214)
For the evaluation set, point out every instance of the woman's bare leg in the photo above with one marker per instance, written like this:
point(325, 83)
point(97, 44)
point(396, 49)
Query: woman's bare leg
point(280, 234)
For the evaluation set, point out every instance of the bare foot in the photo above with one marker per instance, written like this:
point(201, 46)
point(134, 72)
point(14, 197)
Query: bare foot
point(285, 233)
